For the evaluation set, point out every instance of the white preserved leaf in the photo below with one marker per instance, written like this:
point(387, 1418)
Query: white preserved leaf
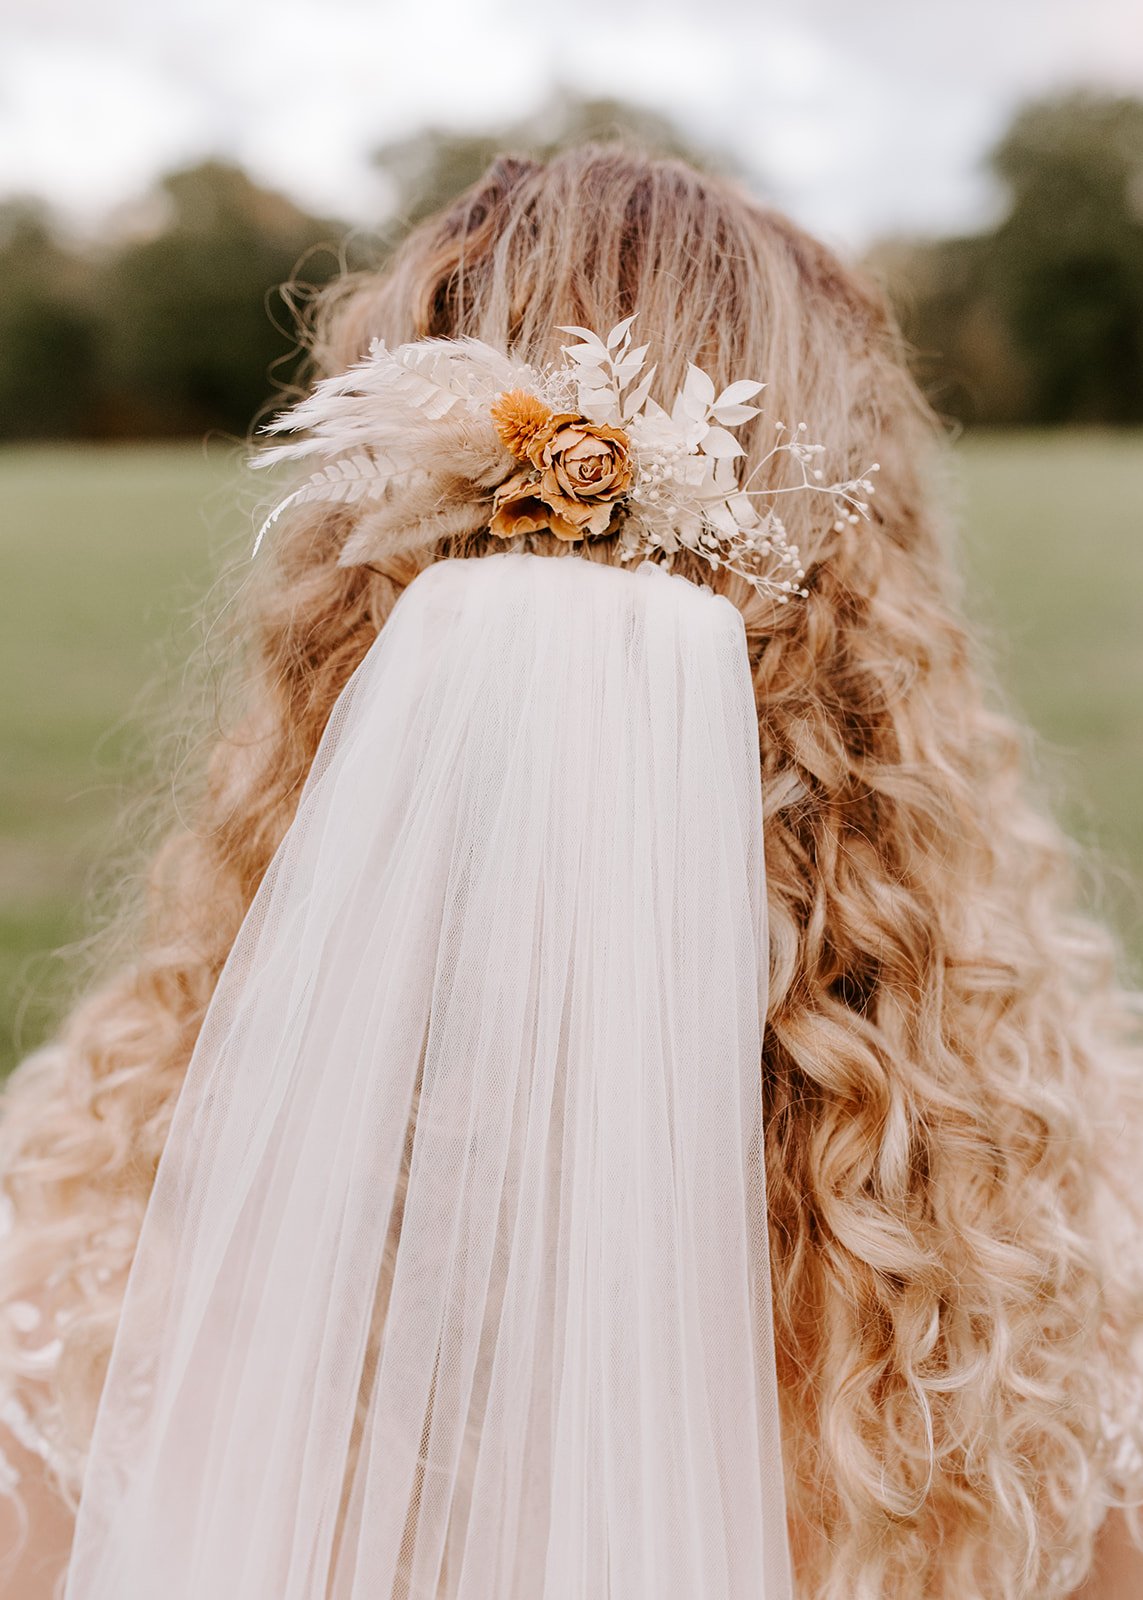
point(698, 390)
point(732, 415)
point(652, 410)
point(619, 332)
point(718, 442)
point(588, 338)
point(718, 513)
point(631, 364)
point(724, 473)
point(600, 405)
point(638, 397)
point(585, 356)
point(736, 393)
point(743, 510)
point(689, 416)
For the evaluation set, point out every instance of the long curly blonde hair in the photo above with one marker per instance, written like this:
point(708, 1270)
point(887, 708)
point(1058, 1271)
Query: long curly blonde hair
point(951, 1079)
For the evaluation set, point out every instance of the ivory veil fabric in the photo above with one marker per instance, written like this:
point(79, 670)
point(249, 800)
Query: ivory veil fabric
point(454, 1283)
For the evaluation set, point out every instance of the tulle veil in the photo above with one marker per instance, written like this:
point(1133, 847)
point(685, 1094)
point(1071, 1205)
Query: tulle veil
point(454, 1282)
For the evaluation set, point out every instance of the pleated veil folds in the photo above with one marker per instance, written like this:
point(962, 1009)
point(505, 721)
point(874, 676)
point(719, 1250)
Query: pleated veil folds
point(454, 1282)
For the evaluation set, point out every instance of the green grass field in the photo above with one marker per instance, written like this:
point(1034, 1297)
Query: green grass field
point(106, 553)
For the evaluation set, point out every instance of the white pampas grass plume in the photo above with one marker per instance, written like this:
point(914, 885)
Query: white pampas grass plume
point(421, 409)
point(385, 533)
point(392, 401)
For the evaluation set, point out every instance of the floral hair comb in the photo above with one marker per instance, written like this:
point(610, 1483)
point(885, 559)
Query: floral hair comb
point(443, 437)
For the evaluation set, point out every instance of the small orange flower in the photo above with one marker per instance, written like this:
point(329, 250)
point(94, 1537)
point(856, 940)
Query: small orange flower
point(581, 469)
point(518, 417)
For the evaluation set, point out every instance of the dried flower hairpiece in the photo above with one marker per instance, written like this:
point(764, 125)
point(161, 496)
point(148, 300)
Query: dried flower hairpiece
point(442, 437)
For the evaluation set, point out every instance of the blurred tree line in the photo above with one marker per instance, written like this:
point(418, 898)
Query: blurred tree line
point(171, 329)
point(1039, 320)
point(183, 320)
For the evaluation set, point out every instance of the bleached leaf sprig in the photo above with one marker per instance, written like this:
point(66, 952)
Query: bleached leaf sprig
point(450, 429)
point(686, 490)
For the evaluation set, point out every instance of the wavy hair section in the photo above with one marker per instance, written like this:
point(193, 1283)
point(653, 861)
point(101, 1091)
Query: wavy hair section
point(951, 1076)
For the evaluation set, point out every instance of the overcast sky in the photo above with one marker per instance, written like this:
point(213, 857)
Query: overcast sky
point(867, 115)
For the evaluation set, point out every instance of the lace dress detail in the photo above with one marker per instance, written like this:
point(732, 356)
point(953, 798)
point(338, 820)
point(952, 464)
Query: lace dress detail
point(1124, 1456)
point(41, 1342)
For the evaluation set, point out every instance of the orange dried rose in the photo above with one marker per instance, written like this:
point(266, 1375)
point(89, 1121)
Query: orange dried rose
point(518, 417)
point(589, 460)
point(517, 508)
point(581, 469)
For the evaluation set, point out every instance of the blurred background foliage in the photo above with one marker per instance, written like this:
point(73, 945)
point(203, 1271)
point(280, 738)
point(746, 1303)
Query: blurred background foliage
point(165, 339)
point(1040, 320)
point(177, 322)
point(182, 319)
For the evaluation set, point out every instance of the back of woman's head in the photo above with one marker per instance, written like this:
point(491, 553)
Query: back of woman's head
point(944, 1052)
point(598, 233)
